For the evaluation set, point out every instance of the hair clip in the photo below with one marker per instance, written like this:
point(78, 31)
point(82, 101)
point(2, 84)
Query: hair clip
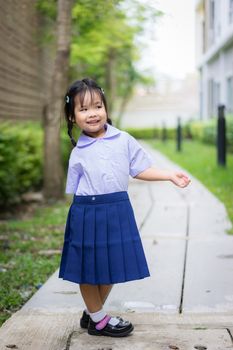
point(67, 99)
point(102, 90)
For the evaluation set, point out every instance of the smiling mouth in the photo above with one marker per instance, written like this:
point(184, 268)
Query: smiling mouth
point(94, 121)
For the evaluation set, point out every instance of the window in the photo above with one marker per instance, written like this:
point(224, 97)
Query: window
point(216, 96)
point(213, 97)
point(230, 94)
point(217, 10)
point(212, 21)
point(230, 11)
point(210, 97)
point(203, 38)
point(212, 14)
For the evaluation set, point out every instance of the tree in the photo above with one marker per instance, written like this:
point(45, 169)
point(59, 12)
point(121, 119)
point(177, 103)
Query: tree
point(104, 45)
point(53, 171)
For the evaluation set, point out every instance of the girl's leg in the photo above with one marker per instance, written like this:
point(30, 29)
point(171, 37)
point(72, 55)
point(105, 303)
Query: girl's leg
point(95, 296)
point(91, 297)
point(104, 290)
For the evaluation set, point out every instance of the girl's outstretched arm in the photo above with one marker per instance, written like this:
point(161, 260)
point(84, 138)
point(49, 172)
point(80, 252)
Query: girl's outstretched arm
point(179, 178)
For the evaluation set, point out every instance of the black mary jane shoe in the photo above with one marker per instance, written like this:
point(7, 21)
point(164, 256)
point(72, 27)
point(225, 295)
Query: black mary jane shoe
point(84, 320)
point(122, 329)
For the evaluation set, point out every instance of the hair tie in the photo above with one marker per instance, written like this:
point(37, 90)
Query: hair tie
point(67, 99)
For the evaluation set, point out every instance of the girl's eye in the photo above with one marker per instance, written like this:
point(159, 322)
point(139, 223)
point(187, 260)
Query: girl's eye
point(99, 106)
point(83, 109)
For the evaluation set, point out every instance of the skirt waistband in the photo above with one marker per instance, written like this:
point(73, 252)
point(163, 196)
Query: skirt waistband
point(101, 198)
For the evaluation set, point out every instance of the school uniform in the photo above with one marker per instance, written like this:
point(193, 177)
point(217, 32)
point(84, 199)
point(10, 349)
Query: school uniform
point(102, 244)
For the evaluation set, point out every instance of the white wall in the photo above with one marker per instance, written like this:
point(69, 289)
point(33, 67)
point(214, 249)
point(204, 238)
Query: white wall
point(220, 66)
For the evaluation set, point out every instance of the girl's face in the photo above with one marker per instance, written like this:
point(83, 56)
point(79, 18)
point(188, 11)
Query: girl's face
point(91, 115)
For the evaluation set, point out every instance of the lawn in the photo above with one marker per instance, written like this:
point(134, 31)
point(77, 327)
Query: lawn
point(29, 253)
point(200, 160)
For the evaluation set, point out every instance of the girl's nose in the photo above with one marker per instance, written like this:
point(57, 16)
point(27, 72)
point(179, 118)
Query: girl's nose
point(92, 112)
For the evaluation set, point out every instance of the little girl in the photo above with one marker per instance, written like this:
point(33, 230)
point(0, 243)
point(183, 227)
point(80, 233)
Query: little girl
point(102, 245)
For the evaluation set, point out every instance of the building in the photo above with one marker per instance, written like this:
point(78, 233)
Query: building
point(163, 103)
point(214, 55)
point(25, 65)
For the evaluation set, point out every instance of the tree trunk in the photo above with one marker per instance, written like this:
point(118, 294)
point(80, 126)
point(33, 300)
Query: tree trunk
point(123, 104)
point(111, 79)
point(53, 170)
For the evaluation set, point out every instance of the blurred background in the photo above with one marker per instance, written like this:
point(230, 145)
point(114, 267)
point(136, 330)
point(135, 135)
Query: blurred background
point(167, 71)
point(141, 52)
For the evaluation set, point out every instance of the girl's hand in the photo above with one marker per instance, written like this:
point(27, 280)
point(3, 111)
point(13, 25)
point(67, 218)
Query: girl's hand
point(180, 179)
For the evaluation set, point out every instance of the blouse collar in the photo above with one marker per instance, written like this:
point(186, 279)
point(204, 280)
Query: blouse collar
point(85, 140)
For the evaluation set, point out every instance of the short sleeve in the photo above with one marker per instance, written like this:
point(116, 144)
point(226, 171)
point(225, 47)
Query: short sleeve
point(139, 159)
point(73, 175)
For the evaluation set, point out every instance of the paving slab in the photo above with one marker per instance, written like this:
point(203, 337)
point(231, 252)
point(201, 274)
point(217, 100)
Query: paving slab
point(139, 193)
point(209, 275)
point(56, 295)
point(196, 194)
point(165, 192)
point(208, 218)
point(150, 338)
point(208, 267)
point(44, 330)
point(166, 220)
point(37, 331)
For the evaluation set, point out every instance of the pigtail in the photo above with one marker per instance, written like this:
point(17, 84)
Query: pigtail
point(70, 127)
point(68, 111)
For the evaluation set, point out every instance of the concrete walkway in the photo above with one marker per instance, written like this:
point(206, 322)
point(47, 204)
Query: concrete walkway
point(187, 303)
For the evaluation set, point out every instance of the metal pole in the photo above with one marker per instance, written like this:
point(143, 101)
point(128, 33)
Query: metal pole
point(221, 136)
point(164, 132)
point(154, 133)
point(178, 135)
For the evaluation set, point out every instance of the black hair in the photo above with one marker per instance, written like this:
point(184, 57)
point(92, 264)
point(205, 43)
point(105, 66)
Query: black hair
point(80, 87)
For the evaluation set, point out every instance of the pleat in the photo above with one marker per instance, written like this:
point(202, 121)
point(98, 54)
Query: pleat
point(89, 245)
point(130, 258)
point(65, 248)
point(115, 253)
point(143, 270)
point(122, 242)
point(102, 260)
point(74, 265)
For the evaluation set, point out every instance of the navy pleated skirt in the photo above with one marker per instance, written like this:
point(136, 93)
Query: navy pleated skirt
point(102, 244)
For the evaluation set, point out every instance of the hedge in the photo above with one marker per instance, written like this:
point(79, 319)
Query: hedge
point(204, 131)
point(21, 159)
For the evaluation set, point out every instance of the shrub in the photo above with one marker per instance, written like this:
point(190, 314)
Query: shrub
point(206, 131)
point(150, 133)
point(21, 159)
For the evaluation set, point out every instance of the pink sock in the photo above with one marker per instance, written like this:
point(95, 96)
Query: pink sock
point(103, 323)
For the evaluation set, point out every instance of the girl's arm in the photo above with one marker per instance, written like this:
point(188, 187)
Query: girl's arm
point(179, 178)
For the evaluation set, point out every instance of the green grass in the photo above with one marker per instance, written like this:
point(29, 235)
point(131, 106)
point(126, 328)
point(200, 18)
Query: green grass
point(23, 268)
point(200, 160)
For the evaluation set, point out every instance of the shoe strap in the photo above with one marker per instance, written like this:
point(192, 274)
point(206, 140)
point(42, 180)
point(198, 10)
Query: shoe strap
point(103, 323)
